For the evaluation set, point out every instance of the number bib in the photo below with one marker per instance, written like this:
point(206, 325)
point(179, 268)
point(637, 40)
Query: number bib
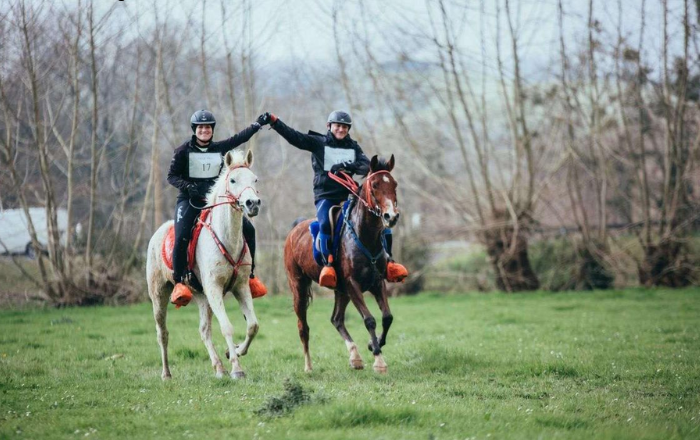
point(204, 165)
point(332, 156)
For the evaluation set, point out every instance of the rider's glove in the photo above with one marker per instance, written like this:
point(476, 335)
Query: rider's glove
point(348, 166)
point(196, 191)
point(263, 119)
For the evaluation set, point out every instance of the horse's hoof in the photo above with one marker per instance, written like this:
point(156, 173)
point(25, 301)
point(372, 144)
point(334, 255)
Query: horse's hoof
point(220, 374)
point(166, 378)
point(238, 375)
point(308, 369)
point(357, 364)
point(381, 369)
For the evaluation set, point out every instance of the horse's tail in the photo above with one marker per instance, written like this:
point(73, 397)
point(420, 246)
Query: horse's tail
point(294, 258)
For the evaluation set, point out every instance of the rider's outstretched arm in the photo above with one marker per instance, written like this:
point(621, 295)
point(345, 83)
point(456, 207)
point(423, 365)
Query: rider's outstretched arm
point(237, 139)
point(308, 142)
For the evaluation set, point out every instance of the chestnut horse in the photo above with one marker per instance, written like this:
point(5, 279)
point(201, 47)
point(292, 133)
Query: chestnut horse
point(360, 265)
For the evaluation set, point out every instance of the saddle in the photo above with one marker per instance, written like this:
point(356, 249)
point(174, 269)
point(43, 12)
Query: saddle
point(169, 243)
point(337, 215)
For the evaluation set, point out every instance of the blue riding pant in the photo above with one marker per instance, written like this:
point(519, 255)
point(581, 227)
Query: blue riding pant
point(322, 208)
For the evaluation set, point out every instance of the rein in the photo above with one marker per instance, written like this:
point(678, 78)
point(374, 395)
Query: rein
point(349, 183)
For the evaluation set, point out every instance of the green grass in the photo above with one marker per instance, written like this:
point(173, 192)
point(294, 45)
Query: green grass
point(611, 365)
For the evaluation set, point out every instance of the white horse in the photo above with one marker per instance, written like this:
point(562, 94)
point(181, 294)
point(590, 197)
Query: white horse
point(236, 186)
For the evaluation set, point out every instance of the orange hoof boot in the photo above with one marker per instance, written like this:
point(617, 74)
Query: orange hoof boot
point(395, 272)
point(257, 288)
point(328, 278)
point(181, 296)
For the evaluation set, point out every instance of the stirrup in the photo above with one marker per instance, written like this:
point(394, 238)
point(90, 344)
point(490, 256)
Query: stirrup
point(395, 272)
point(328, 278)
point(257, 288)
point(181, 296)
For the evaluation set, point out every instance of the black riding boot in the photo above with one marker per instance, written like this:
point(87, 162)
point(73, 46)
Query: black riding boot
point(249, 237)
point(185, 218)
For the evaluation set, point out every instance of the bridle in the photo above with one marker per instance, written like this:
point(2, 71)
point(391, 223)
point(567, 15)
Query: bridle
point(231, 199)
point(368, 198)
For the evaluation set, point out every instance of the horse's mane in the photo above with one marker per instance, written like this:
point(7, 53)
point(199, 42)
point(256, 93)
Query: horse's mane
point(238, 158)
point(382, 165)
point(219, 187)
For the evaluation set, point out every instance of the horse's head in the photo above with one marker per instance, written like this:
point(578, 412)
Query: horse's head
point(237, 182)
point(380, 190)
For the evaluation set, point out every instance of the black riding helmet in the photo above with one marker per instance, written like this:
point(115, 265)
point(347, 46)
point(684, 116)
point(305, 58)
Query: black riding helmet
point(202, 117)
point(340, 117)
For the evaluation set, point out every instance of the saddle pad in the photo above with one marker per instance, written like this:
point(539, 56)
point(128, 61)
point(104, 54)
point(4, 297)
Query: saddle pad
point(169, 243)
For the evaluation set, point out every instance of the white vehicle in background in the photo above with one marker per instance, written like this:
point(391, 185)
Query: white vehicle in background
point(14, 230)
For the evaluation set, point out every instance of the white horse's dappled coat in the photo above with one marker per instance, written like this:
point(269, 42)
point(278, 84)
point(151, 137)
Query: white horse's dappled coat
point(215, 273)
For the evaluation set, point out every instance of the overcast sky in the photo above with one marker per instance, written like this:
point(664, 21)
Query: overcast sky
point(303, 29)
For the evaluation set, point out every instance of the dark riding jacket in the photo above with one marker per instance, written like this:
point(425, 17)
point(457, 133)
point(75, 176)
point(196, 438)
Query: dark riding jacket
point(201, 166)
point(326, 151)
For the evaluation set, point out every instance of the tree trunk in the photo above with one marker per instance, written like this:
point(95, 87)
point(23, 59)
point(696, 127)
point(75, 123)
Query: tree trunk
point(507, 247)
point(665, 264)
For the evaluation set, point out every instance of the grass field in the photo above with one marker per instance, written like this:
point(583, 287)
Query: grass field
point(621, 364)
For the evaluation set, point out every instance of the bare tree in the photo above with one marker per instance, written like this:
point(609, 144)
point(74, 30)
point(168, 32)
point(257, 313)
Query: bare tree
point(657, 125)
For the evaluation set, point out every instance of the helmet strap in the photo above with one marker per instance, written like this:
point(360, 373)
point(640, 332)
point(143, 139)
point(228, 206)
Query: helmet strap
point(200, 144)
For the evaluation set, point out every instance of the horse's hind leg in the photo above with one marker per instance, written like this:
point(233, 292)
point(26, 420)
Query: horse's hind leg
point(159, 297)
point(245, 301)
point(338, 321)
point(205, 313)
point(300, 289)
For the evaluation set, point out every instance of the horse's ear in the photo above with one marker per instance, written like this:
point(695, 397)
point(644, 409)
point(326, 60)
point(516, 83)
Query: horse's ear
point(373, 163)
point(249, 158)
point(228, 159)
point(390, 164)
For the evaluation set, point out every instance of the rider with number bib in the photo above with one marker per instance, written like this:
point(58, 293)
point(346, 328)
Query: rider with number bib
point(195, 166)
point(334, 151)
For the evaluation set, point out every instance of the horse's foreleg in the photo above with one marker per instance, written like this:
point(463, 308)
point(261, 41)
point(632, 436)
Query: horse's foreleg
point(380, 295)
point(338, 321)
point(245, 301)
point(205, 313)
point(215, 295)
point(370, 323)
point(159, 297)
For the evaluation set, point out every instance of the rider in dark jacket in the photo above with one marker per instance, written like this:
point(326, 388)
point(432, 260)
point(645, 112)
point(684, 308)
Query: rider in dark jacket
point(193, 170)
point(333, 152)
